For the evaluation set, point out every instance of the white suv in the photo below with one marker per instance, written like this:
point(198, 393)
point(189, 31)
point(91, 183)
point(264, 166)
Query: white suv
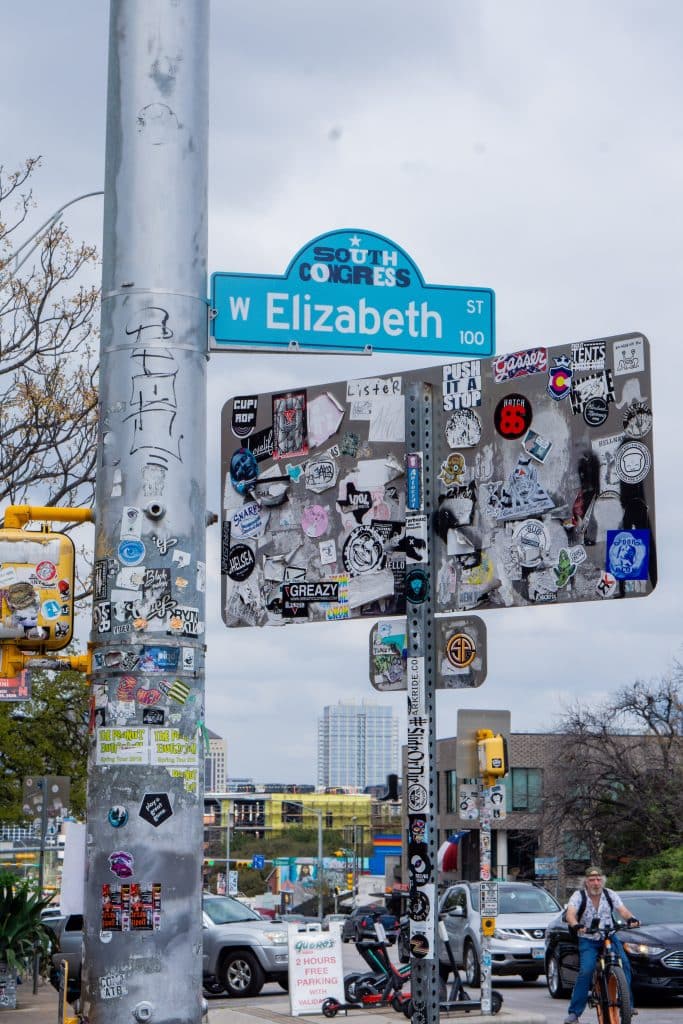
point(518, 945)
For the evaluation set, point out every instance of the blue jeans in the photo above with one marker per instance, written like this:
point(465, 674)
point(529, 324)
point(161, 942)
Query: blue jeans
point(588, 954)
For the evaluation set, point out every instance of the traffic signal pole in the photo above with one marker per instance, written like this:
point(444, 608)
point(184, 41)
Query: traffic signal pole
point(142, 936)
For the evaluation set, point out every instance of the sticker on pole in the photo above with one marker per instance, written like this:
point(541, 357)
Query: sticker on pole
point(461, 653)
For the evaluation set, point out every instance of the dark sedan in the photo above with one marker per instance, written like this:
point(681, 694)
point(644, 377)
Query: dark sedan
point(361, 923)
point(655, 949)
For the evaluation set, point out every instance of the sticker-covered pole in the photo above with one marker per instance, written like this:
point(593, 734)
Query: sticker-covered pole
point(142, 934)
point(485, 876)
point(420, 783)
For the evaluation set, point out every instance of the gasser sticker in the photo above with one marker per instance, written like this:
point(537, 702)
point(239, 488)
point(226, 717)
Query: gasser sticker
point(519, 364)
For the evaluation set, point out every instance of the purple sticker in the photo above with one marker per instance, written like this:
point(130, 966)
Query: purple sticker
point(314, 520)
point(121, 864)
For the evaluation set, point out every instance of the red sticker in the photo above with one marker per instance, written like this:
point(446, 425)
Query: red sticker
point(46, 571)
point(513, 416)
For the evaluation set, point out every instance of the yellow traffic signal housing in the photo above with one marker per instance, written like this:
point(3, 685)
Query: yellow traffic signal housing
point(488, 926)
point(349, 880)
point(492, 754)
point(37, 578)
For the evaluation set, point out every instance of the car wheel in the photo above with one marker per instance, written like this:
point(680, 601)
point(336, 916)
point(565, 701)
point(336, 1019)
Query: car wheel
point(283, 981)
point(530, 975)
point(472, 975)
point(553, 978)
point(241, 974)
point(212, 987)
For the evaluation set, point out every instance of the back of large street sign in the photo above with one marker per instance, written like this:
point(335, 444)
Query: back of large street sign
point(545, 489)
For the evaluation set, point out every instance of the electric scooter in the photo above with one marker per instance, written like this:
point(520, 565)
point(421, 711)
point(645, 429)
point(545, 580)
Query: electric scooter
point(457, 998)
point(381, 988)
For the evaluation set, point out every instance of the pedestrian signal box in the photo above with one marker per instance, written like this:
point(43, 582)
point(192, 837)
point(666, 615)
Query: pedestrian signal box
point(37, 578)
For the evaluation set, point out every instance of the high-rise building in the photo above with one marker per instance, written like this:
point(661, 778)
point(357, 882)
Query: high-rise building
point(215, 763)
point(357, 744)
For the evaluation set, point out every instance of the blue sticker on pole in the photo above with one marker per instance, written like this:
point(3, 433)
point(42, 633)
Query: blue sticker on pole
point(351, 291)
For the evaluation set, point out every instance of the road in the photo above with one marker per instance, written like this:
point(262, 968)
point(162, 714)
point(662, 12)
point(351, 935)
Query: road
point(516, 994)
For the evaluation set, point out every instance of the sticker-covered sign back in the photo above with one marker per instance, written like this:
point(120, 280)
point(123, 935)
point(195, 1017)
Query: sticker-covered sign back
point(543, 478)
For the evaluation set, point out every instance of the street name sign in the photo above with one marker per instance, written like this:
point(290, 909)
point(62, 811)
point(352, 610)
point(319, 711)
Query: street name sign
point(350, 291)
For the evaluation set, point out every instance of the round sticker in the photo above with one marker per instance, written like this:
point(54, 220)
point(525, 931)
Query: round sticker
point(531, 541)
point(241, 562)
point(463, 429)
point(243, 469)
point(46, 571)
point(637, 420)
point(461, 650)
point(513, 416)
point(419, 946)
point(51, 609)
point(633, 462)
point(595, 411)
point(315, 520)
point(417, 797)
point(118, 816)
point(417, 586)
point(131, 551)
point(363, 551)
point(418, 906)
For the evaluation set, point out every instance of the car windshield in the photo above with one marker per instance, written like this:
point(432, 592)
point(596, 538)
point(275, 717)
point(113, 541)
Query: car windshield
point(520, 899)
point(654, 908)
point(224, 910)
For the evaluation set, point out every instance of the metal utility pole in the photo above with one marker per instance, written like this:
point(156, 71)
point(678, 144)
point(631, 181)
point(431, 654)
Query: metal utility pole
point(142, 937)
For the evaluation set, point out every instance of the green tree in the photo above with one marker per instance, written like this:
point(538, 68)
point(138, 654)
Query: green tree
point(663, 871)
point(617, 782)
point(48, 737)
point(48, 391)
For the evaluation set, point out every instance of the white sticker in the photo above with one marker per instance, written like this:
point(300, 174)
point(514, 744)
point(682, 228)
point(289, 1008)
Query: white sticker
point(628, 356)
point(131, 522)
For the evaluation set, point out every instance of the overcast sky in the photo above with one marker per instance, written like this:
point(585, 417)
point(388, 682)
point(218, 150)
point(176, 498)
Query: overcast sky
point(529, 147)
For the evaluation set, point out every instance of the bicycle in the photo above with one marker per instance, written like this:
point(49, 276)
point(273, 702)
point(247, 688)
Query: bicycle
point(610, 993)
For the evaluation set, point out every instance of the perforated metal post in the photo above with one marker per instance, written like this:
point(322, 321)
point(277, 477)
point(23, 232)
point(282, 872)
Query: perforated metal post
point(420, 780)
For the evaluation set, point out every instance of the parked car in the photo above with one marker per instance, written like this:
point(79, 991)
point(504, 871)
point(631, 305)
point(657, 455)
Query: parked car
point(517, 947)
point(333, 919)
point(241, 950)
point(361, 921)
point(655, 949)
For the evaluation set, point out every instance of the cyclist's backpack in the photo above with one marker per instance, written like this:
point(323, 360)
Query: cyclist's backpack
point(584, 900)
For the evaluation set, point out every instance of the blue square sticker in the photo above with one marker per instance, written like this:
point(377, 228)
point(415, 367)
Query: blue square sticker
point(628, 554)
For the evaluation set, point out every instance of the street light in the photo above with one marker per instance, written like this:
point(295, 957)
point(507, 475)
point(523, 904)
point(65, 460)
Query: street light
point(37, 235)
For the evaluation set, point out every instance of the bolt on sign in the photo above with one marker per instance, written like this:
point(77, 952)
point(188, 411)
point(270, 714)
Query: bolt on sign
point(461, 653)
point(544, 489)
point(350, 291)
point(36, 589)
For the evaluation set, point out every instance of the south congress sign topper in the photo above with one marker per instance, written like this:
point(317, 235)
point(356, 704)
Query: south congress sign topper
point(350, 291)
point(543, 489)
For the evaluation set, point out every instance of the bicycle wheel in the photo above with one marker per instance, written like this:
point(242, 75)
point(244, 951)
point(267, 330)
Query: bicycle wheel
point(618, 996)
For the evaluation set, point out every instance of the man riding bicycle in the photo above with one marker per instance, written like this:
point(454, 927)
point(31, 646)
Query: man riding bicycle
point(587, 907)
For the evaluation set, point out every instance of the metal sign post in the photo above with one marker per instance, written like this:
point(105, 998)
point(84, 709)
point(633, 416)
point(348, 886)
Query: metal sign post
point(142, 921)
point(421, 782)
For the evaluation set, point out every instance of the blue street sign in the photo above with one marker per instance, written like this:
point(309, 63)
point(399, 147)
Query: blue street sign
point(351, 291)
point(258, 861)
